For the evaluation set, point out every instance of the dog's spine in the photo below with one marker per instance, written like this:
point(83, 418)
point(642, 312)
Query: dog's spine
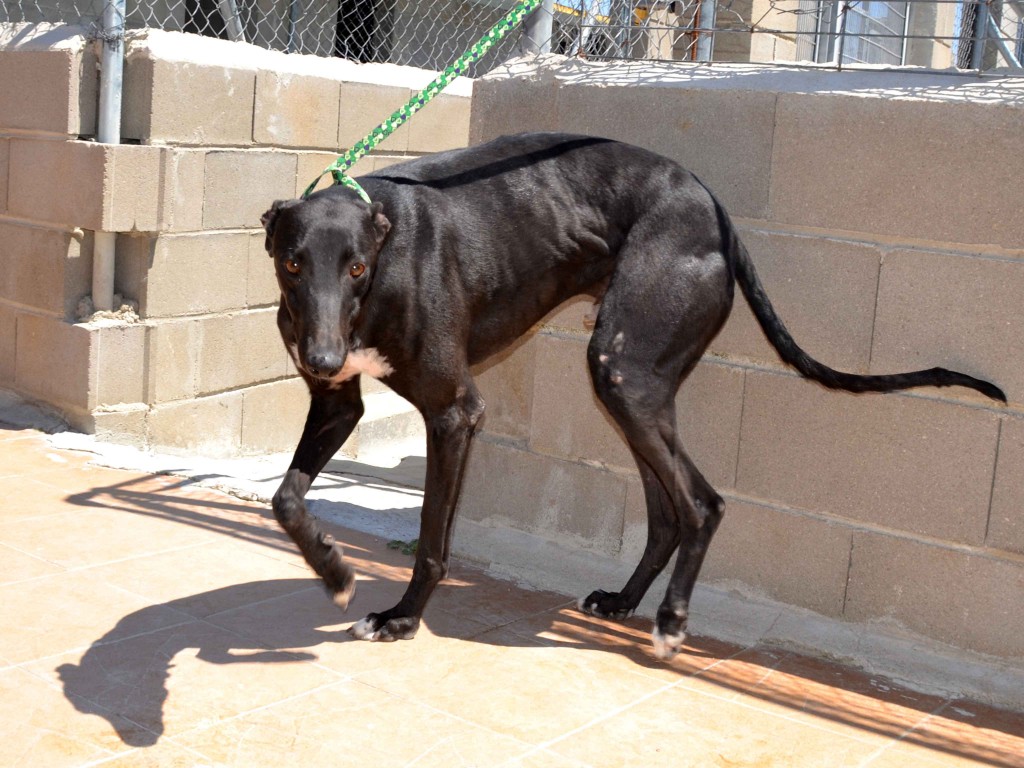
point(792, 354)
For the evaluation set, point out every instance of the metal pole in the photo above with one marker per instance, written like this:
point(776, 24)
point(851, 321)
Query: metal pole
point(232, 22)
point(844, 8)
point(707, 16)
point(108, 131)
point(539, 28)
point(294, 11)
point(980, 36)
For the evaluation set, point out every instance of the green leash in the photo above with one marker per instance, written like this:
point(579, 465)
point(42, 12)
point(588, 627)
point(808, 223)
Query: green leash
point(339, 167)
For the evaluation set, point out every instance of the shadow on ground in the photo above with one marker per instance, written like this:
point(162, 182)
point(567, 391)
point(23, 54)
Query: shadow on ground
point(471, 608)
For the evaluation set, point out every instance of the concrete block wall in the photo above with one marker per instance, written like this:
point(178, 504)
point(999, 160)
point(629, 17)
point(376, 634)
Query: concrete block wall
point(213, 132)
point(880, 214)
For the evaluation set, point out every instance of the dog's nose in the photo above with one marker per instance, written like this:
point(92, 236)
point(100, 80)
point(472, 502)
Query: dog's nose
point(323, 364)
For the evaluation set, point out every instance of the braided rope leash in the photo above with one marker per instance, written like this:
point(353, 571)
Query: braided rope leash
point(339, 167)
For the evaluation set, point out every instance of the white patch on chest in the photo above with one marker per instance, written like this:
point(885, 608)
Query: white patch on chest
point(368, 361)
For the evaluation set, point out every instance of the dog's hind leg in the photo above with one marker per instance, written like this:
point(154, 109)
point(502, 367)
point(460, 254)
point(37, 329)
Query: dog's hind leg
point(661, 310)
point(333, 414)
point(662, 540)
point(450, 428)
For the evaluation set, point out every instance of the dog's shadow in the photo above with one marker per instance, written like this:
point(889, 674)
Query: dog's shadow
point(122, 677)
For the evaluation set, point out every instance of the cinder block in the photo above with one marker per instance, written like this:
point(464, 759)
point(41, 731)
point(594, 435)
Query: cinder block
point(54, 360)
point(442, 124)
point(506, 384)
point(273, 416)
point(173, 360)
point(173, 275)
point(310, 165)
point(120, 375)
point(241, 185)
point(902, 462)
point(572, 503)
point(261, 286)
point(364, 106)
point(68, 78)
point(114, 189)
point(295, 110)
point(568, 420)
point(723, 136)
point(8, 343)
point(501, 106)
point(208, 426)
point(47, 269)
point(125, 425)
point(796, 559)
point(952, 311)
point(1006, 524)
point(5, 164)
point(218, 109)
point(240, 350)
point(183, 177)
point(708, 410)
point(966, 600)
point(824, 291)
point(903, 167)
point(380, 162)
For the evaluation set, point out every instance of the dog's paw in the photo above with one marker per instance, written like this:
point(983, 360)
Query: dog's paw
point(605, 605)
point(377, 629)
point(339, 577)
point(666, 646)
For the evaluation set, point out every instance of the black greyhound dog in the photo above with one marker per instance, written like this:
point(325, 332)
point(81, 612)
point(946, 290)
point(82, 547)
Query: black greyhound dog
point(459, 255)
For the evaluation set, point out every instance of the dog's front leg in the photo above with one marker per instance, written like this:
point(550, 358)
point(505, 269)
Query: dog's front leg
point(333, 414)
point(449, 432)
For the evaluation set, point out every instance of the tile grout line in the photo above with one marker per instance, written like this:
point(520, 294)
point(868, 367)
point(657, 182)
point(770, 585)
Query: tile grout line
point(65, 571)
point(601, 718)
point(896, 740)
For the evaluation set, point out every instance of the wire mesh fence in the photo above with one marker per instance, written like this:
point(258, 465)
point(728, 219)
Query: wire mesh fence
point(965, 34)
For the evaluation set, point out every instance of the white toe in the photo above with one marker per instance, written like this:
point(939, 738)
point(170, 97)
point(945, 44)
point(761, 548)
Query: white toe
point(363, 630)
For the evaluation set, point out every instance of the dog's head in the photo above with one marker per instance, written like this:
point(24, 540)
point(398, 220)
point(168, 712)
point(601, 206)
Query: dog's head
point(325, 253)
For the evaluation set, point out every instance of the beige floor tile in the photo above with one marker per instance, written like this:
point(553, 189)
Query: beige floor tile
point(26, 498)
point(174, 680)
point(626, 642)
point(683, 728)
point(23, 452)
point(59, 613)
point(839, 698)
point(309, 622)
point(514, 686)
point(71, 539)
point(39, 726)
point(164, 754)
point(209, 578)
point(17, 566)
point(971, 733)
point(356, 723)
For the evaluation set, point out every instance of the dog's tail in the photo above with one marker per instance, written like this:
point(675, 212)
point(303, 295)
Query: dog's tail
point(792, 354)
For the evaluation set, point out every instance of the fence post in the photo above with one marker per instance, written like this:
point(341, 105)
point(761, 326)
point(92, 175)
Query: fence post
point(707, 18)
point(108, 131)
point(538, 28)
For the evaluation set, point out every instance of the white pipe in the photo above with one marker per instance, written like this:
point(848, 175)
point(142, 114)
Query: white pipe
point(708, 17)
point(232, 23)
point(108, 131)
point(539, 28)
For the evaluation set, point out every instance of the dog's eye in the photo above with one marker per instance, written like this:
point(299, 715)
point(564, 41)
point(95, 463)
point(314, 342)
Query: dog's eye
point(292, 266)
point(357, 269)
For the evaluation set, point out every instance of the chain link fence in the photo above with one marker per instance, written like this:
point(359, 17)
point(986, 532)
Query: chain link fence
point(935, 34)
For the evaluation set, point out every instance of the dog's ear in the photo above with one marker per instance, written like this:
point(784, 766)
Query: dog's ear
point(269, 219)
point(381, 225)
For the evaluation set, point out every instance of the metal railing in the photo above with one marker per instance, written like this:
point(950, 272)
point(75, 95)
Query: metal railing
point(935, 34)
